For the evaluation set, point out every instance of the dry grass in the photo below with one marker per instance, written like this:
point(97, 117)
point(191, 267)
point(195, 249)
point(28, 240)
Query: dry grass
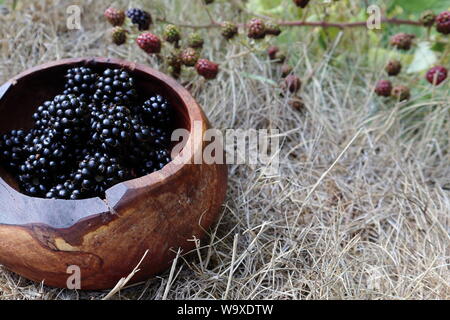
point(375, 226)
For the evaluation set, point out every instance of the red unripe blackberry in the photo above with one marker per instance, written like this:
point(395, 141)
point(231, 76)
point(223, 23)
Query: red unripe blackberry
point(393, 67)
point(114, 16)
point(402, 41)
point(272, 52)
point(301, 3)
point(443, 22)
point(437, 75)
point(383, 88)
point(139, 17)
point(401, 93)
point(149, 42)
point(207, 69)
point(189, 57)
point(292, 83)
point(256, 29)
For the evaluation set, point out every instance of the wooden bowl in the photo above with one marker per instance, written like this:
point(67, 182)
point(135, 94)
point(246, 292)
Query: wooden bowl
point(106, 238)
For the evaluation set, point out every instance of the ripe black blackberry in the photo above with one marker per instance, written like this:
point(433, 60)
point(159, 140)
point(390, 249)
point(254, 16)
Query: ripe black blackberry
point(157, 111)
point(162, 158)
point(115, 86)
point(140, 17)
point(98, 172)
point(111, 126)
point(42, 115)
point(67, 115)
point(153, 161)
point(70, 118)
point(81, 82)
point(141, 142)
point(47, 155)
point(12, 148)
point(66, 190)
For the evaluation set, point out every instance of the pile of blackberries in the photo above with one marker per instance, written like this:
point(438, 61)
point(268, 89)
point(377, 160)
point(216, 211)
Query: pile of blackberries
point(97, 133)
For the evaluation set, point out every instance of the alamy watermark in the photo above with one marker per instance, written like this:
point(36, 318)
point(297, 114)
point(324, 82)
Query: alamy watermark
point(73, 20)
point(74, 280)
point(232, 146)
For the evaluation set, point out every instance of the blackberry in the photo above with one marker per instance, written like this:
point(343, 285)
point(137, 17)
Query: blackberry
point(229, 30)
point(207, 69)
point(292, 83)
point(144, 139)
point(12, 151)
point(401, 93)
point(119, 36)
point(437, 75)
point(157, 111)
point(402, 41)
point(70, 118)
point(443, 22)
point(81, 82)
point(42, 115)
point(46, 157)
point(383, 88)
point(67, 116)
point(256, 29)
point(66, 190)
point(98, 172)
point(154, 160)
point(393, 68)
point(140, 17)
point(162, 158)
point(111, 126)
point(116, 86)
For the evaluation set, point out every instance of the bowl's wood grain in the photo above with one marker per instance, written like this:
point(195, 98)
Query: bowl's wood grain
point(106, 238)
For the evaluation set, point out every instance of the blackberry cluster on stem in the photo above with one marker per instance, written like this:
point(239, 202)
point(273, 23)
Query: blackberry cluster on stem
point(95, 134)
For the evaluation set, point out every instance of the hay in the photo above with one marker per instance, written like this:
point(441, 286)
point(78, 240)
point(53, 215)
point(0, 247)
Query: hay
point(359, 209)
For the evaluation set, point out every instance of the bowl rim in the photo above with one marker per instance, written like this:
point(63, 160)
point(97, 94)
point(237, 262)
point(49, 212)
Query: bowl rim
point(115, 194)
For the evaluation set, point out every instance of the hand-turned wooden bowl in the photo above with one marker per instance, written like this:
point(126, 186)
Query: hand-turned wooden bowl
point(106, 238)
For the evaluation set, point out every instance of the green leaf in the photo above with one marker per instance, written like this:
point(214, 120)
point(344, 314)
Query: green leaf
point(438, 47)
point(379, 56)
point(417, 7)
point(424, 58)
point(266, 7)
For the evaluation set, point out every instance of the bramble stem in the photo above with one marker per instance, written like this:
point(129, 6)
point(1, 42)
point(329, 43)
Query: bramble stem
point(322, 24)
